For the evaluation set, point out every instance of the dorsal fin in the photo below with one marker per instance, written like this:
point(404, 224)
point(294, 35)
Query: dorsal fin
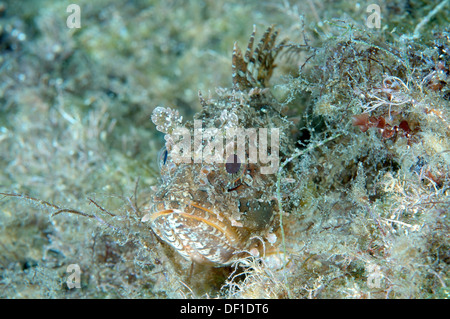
point(258, 62)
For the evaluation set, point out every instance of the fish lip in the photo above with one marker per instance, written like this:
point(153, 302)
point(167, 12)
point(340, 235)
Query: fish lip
point(206, 225)
point(152, 216)
point(231, 236)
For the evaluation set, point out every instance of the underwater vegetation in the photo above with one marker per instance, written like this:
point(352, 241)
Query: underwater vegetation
point(358, 205)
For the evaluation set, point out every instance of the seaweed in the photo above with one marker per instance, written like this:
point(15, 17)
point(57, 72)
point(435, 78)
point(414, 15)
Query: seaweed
point(362, 191)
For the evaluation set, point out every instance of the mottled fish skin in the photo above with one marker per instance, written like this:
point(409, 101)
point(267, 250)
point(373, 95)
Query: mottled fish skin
point(215, 213)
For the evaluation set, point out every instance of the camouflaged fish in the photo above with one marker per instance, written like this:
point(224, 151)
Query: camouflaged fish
point(214, 212)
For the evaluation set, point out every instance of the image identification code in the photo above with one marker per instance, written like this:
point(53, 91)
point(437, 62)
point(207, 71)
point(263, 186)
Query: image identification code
point(234, 308)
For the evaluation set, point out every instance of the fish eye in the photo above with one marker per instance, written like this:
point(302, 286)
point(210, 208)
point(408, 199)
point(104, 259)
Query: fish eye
point(162, 157)
point(233, 164)
point(235, 169)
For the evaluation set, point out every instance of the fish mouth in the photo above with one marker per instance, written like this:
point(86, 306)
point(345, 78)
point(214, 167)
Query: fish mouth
point(199, 234)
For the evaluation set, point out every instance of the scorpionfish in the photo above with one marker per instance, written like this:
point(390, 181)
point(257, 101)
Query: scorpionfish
point(216, 211)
